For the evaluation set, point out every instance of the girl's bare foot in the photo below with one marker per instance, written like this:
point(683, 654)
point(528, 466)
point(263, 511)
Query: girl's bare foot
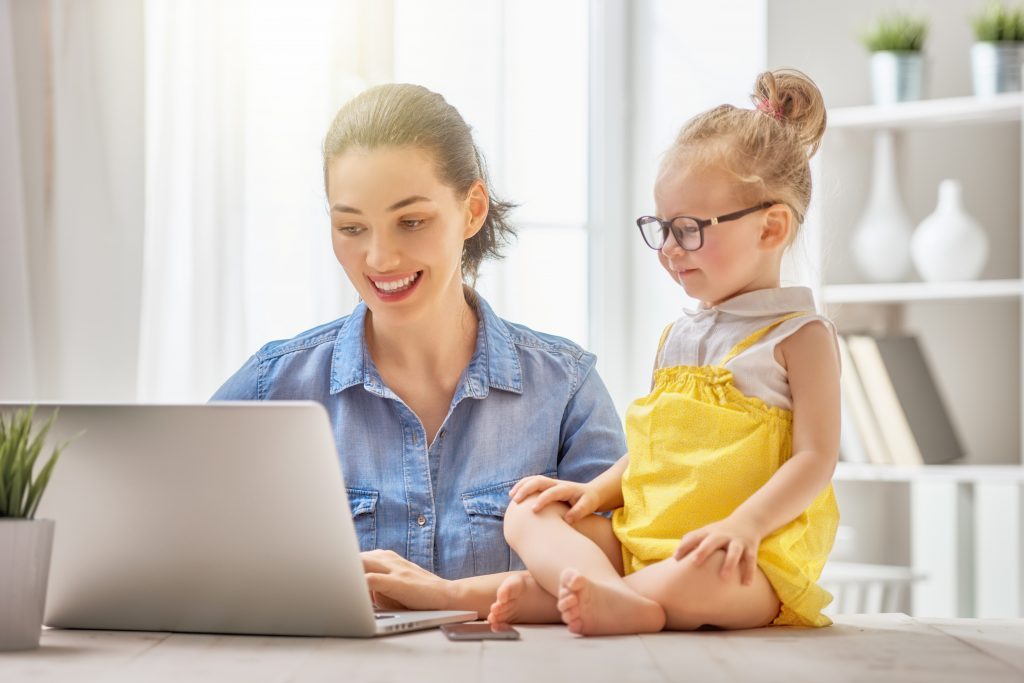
point(594, 608)
point(521, 600)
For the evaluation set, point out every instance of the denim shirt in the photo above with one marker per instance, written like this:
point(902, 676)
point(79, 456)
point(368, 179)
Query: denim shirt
point(527, 403)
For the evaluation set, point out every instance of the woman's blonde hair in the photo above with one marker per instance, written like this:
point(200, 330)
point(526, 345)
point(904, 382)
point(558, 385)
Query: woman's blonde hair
point(404, 115)
point(767, 149)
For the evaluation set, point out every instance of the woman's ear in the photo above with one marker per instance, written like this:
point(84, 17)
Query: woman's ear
point(777, 226)
point(477, 204)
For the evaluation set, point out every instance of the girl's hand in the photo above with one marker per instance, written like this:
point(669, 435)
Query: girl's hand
point(582, 499)
point(738, 538)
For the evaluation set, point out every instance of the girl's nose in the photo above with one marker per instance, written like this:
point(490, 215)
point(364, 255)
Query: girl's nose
point(670, 246)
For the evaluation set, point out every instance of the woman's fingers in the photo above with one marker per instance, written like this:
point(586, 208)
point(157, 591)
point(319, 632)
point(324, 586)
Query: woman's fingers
point(579, 510)
point(709, 545)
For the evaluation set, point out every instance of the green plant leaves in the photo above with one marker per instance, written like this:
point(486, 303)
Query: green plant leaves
point(997, 23)
point(897, 33)
point(19, 451)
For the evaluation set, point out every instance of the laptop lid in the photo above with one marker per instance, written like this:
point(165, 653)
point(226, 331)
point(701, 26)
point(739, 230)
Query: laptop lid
point(216, 518)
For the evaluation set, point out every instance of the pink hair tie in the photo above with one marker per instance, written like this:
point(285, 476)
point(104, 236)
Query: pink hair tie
point(767, 108)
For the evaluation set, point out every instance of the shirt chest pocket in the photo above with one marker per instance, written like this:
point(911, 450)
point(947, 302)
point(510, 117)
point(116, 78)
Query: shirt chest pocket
point(485, 508)
point(364, 516)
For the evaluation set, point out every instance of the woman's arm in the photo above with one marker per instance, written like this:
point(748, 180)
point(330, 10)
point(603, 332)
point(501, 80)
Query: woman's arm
point(397, 583)
point(812, 363)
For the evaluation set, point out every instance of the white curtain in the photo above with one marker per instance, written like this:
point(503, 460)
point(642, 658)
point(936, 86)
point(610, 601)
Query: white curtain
point(17, 362)
point(237, 239)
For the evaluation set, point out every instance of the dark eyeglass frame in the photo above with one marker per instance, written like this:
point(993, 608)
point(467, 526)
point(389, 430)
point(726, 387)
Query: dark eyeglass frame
point(677, 232)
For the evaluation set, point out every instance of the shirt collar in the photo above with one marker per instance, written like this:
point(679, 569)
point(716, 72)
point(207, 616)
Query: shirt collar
point(495, 361)
point(764, 302)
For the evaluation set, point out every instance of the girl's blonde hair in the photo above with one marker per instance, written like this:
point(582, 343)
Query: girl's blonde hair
point(767, 149)
point(405, 115)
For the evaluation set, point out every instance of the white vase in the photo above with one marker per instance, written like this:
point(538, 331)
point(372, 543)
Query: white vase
point(881, 238)
point(25, 546)
point(949, 244)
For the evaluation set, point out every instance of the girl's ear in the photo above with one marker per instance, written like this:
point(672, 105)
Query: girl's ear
point(477, 204)
point(777, 226)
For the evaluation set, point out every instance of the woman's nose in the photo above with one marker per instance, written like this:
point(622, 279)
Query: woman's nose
point(383, 254)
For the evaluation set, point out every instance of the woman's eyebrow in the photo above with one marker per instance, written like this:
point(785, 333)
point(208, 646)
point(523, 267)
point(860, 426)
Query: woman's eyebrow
point(394, 207)
point(407, 201)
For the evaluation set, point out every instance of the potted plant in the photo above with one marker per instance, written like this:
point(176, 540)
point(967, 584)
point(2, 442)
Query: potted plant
point(897, 66)
point(996, 56)
point(25, 542)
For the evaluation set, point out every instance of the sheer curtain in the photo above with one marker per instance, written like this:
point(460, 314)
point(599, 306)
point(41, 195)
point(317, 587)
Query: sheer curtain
point(237, 239)
point(17, 363)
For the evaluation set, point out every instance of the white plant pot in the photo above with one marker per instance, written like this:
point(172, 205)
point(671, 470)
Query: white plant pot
point(996, 67)
point(881, 238)
point(896, 77)
point(25, 547)
point(949, 245)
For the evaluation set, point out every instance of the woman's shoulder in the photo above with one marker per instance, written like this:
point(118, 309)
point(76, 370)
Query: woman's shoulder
point(327, 333)
point(528, 338)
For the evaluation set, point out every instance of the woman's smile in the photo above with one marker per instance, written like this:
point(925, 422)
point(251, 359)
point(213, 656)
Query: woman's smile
point(392, 288)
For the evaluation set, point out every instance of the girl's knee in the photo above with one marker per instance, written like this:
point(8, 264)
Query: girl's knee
point(520, 517)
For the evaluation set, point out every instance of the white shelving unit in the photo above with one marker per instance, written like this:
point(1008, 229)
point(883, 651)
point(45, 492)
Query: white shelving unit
point(966, 521)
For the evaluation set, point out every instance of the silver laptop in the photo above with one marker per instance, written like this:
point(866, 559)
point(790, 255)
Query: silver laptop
point(219, 518)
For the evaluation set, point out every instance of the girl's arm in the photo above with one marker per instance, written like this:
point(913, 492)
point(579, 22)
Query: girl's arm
point(812, 362)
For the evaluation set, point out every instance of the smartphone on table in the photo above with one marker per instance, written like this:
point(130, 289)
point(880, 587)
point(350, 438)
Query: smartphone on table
point(478, 631)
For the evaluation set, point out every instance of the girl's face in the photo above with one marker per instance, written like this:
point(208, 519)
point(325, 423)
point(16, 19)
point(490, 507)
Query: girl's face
point(733, 258)
point(398, 229)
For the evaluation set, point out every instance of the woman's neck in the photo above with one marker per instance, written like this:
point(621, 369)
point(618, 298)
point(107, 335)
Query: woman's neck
point(438, 343)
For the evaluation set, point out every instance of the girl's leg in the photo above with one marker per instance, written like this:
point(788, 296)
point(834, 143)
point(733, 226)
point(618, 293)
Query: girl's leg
point(550, 548)
point(695, 596)
point(521, 600)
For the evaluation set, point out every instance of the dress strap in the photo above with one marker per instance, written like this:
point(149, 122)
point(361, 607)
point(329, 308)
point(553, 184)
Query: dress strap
point(756, 336)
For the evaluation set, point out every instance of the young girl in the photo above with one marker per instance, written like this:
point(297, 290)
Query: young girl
point(734, 448)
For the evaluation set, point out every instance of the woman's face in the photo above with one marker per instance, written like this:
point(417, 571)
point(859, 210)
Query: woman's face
point(398, 230)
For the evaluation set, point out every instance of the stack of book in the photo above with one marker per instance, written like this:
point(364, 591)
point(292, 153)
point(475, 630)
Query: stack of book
point(893, 413)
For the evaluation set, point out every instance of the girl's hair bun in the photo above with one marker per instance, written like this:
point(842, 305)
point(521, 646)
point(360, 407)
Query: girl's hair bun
point(793, 99)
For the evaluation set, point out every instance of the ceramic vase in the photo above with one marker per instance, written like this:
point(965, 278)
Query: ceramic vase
point(881, 239)
point(949, 245)
point(25, 547)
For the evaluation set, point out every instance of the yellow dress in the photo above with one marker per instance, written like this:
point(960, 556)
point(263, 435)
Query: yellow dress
point(698, 448)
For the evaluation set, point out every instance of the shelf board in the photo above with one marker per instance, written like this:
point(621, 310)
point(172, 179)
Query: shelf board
point(850, 471)
point(923, 113)
point(897, 292)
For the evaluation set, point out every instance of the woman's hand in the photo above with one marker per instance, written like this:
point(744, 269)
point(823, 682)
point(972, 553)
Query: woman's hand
point(738, 538)
point(583, 500)
point(397, 583)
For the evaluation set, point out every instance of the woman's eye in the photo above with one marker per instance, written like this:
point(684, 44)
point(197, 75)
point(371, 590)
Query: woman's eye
point(412, 223)
point(349, 229)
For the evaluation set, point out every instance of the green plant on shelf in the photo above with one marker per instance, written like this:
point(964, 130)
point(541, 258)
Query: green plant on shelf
point(20, 493)
point(896, 33)
point(998, 23)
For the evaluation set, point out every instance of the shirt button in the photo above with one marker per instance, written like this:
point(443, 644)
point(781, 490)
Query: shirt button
point(421, 520)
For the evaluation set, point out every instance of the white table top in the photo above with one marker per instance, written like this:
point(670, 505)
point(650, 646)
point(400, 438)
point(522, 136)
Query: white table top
point(891, 647)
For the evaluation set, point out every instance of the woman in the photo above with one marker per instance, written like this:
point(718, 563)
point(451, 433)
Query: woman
point(438, 406)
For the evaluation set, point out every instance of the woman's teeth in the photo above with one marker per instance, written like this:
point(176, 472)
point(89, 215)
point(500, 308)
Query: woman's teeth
point(393, 286)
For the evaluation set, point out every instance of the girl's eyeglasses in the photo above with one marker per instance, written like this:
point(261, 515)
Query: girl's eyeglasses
point(687, 230)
